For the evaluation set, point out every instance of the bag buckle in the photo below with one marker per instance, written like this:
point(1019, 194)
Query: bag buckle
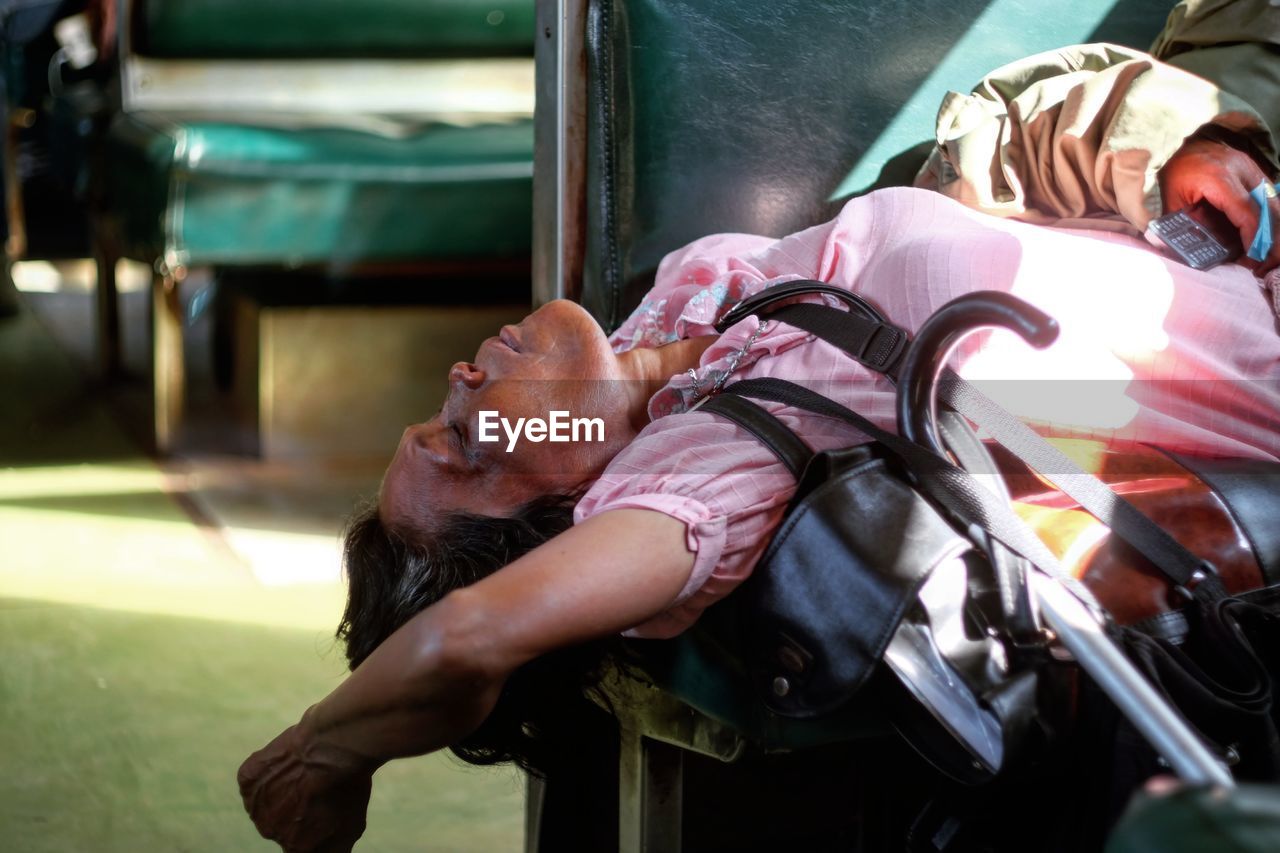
point(884, 350)
point(1206, 571)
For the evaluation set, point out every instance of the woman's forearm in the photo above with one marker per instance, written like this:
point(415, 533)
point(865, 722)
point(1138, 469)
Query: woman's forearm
point(430, 684)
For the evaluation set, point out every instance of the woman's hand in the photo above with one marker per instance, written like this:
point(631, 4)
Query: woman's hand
point(305, 796)
point(1213, 171)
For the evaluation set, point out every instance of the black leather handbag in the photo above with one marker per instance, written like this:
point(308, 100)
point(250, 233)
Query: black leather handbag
point(892, 556)
point(866, 572)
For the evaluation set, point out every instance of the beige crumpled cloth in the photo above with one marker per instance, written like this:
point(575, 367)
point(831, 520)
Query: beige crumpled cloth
point(1232, 43)
point(1076, 136)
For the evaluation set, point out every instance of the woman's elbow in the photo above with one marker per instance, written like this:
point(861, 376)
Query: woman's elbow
point(456, 646)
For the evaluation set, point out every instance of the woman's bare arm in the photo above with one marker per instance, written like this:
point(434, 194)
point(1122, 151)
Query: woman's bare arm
point(435, 680)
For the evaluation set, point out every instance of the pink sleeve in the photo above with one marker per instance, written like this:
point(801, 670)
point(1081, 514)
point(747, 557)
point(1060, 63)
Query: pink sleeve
point(722, 483)
point(704, 529)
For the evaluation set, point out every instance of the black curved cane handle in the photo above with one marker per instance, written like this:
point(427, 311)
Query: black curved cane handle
point(917, 402)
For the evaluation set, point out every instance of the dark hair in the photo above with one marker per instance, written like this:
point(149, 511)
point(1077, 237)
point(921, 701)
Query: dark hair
point(390, 579)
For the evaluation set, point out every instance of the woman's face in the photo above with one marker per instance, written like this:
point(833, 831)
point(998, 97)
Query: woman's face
point(556, 359)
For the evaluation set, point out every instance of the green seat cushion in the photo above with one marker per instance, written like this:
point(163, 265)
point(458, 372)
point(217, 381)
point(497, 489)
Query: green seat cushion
point(214, 193)
point(711, 116)
point(333, 28)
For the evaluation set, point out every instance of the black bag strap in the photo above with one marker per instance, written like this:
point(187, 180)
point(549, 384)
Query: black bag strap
point(879, 346)
point(762, 302)
point(864, 334)
point(1193, 576)
point(952, 488)
point(862, 331)
point(774, 434)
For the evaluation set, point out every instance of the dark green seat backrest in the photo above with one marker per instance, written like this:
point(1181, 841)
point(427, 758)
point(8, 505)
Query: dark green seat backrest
point(755, 116)
point(280, 29)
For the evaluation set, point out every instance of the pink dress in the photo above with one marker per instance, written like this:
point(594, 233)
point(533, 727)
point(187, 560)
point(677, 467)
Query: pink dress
point(1150, 351)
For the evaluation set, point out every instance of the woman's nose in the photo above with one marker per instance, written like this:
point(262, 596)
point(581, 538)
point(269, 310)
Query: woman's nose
point(468, 374)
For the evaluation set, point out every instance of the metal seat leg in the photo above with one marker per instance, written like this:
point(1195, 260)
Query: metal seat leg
point(650, 795)
point(168, 366)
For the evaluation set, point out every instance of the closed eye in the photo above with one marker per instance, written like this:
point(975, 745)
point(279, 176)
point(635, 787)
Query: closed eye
point(460, 440)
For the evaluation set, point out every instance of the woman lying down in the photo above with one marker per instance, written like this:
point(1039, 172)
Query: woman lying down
point(482, 555)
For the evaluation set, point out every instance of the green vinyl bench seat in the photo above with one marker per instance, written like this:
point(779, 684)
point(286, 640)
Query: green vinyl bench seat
point(330, 29)
point(340, 136)
point(228, 194)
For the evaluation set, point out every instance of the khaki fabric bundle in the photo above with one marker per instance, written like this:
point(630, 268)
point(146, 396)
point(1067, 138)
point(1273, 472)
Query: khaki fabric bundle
point(1076, 136)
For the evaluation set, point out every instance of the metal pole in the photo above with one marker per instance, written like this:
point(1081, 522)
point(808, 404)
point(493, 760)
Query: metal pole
point(559, 149)
point(1149, 712)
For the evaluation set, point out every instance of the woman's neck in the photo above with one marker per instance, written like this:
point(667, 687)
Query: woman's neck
point(653, 367)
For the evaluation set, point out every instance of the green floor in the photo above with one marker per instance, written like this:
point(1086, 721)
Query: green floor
point(123, 731)
point(141, 661)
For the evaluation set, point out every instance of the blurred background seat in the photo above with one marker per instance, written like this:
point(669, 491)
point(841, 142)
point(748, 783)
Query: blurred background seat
point(386, 139)
point(389, 134)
